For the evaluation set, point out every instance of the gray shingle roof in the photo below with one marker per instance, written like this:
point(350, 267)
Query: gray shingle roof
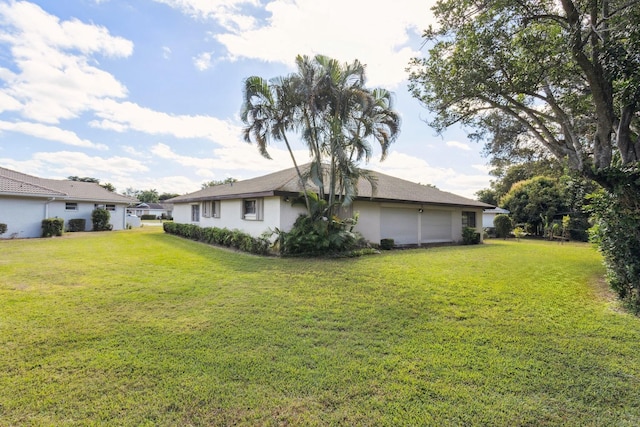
point(20, 184)
point(389, 188)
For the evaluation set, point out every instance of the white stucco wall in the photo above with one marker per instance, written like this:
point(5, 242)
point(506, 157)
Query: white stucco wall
point(407, 226)
point(276, 213)
point(368, 220)
point(24, 216)
point(57, 209)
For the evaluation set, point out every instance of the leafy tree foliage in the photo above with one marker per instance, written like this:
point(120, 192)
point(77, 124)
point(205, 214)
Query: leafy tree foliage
point(556, 77)
point(165, 196)
point(106, 186)
point(213, 183)
point(535, 202)
point(509, 174)
point(563, 74)
point(616, 232)
point(149, 196)
point(83, 179)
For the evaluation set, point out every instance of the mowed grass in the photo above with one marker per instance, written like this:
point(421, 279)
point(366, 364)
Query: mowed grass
point(138, 328)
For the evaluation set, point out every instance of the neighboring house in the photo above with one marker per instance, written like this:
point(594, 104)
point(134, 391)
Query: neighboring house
point(26, 200)
point(409, 213)
point(159, 210)
point(488, 215)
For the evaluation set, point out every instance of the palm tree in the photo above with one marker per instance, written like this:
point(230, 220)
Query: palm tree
point(337, 116)
point(352, 115)
point(268, 112)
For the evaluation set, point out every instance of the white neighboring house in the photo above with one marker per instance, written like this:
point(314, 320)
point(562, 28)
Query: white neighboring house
point(26, 200)
point(409, 213)
point(158, 209)
point(488, 215)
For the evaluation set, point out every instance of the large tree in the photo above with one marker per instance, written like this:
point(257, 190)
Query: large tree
point(565, 72)
point(561, 76)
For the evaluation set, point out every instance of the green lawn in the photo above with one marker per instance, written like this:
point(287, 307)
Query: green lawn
point(141, 328)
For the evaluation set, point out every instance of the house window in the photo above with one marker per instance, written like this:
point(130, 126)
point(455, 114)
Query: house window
point(469, 219)
point(215, 208)
point(206, 209)
point(195, 213)
point(211, 209)
point(71, 206)
point(109, 207)
point(252, 209)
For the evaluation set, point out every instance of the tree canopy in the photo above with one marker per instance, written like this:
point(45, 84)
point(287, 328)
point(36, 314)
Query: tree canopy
point(561, 77)
point(213, 183)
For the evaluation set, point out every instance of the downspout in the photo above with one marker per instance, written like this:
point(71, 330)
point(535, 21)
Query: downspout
point(46, 207)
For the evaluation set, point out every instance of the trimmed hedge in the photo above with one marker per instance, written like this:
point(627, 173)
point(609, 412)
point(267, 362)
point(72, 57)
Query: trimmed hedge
point(77, 224)
point(148, 217)
point(235, 239)
point(52, 227)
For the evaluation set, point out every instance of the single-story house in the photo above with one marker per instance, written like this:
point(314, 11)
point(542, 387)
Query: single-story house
point(26, 200)
point(488, 215)
point(409, 213)
point(159, 210)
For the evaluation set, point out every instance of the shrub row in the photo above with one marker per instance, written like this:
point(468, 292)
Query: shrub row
point(147, 217)
point(220, 236)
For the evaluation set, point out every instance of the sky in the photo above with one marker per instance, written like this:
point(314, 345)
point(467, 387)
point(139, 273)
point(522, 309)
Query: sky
point(146, 94)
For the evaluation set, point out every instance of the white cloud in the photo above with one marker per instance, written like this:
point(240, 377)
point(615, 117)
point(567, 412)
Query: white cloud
point(56, 79)
point(460, 145)
point(203, 61)
point(225, 12)
point(166, 52)
point(68, 163)
point(376, 33)
point(51, 133)
point(125, 116)
point(61, 164)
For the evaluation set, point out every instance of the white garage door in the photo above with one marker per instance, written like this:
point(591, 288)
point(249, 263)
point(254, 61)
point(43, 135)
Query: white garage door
point(436, 226)
point(401, 225)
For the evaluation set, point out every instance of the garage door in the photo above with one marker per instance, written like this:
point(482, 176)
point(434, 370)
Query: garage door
point(436, 226)
point(401, 225)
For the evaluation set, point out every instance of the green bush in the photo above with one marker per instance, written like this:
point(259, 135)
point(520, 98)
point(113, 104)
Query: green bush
point(616, 231)
point(235, 239)
point(148, 217)
point(387, 244)
point(52, 227)
point(503, 225)
point(78, 224)
point(100, 219)
point(3, 228)
point(470, 236)
point(519, 232)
